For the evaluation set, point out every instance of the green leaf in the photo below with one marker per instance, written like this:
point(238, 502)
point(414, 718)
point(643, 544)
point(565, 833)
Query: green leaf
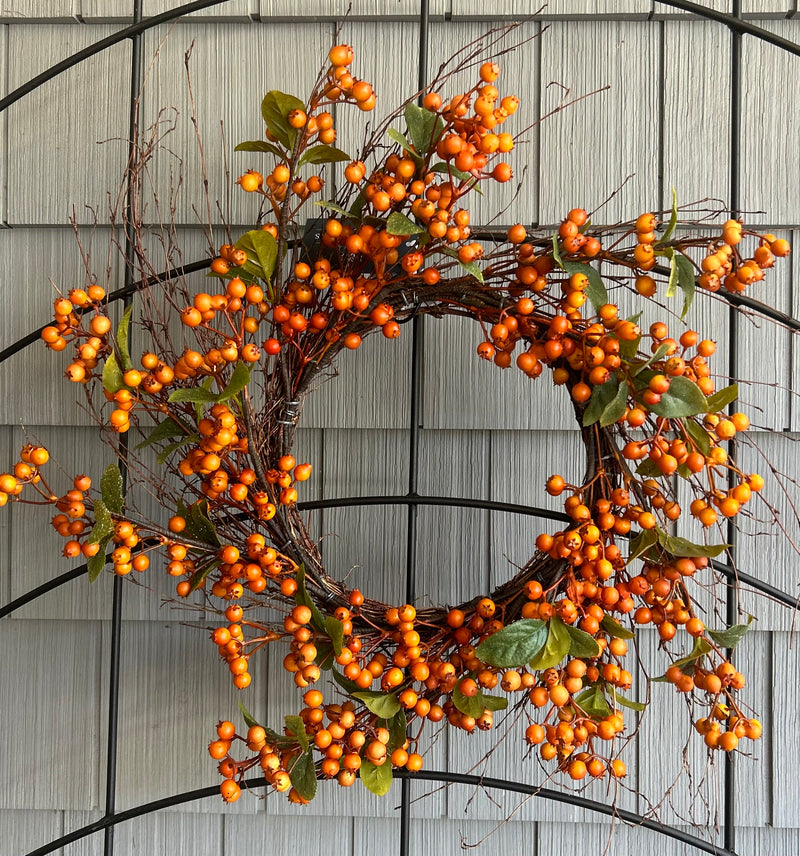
point(593, 702)
point(681, 273)
point(722, 398)
point(199, 576)
point(302, 596)
point(381, 704)
point(325, 654)
point(403, 142)
point(198, 524)
point(424, 127)
point(323, 154)
point(732, 636)
point(96, 563)
point(346, 684)
point(673, 220)
point(649, 469)
point(239, 380)
point(641, 543)
point(332, 206)
point(493, 702)
point(111, 489)
point(514, 645)
point(103, 524)
point(596, 290)
point(615, 409)
point(399, 224)
point(196, 395)
point(122, 339)
point(163, 431)
point(629, 349)
point(450, 170)
point(396, 726)
point(582, 644)
point(261, 146)
point(614, 628)
point(261, 248)
point(684, 398)
point(698, 434)
point(469, 705)
point(700, 649)
point(335, 630)
point(376, 779)
point(680, 547)
point(275, 108)
point(172, 447)
point(602, 397)
point(303, 775)
point(555, 648)
point(112, 375)
point(616, 699)
point(296, 727)
point(661, 351)
point(249, 720)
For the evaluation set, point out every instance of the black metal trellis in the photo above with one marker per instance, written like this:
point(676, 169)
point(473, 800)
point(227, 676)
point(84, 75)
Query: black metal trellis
point(412, 500)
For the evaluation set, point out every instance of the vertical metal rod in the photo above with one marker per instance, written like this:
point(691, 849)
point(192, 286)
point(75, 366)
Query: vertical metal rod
point(116, 609)
point(731, 592)
point(413, 440)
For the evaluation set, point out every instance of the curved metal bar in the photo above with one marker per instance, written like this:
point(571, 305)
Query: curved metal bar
point(101, 45)
point(792, 601)
point(443, 776)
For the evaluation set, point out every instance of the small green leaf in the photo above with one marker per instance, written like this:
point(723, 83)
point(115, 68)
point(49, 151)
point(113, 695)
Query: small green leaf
point(556, 252)
point(198, 524)
point(303, 776)
point(614, 628)
point(261, 146)
point(103, 524)
point(424, 127)
point(698, 433)
point(111, 489)
point(602, 397)
point(722, 398)
point(555, 648)
point(593, 702)
point(122, 339)
point(629, 348)
point(332, 206)
point(732, 636)
point(112, 375)
point(449, 170)
point(514, 645)
point(335, 630)
point(262, 252)
point(596, 290)
point(616, 699)
point(700, 649)
point(661, 352)
point(172, 447)
point(96, 563)
point(378, 780)
point(381, 704)
point(686, 280)
point(469, 705)
point(673, 220)
point(681, 548)
point(196, 395)
point(684, 398)
point(615, 409)
point(649, 469)
point(641, 543)
point(239, 380)
point(403, 142)
point(249, 720)
point(199, 576)
point(325, 654)
point(493, 702)
point(163, 431)
point(346, 684)
point(323, 154)
point(582, 644)
point(302, 597)
point(296, 727)
point(275, 108)
point(399, 224)
point(396, 726)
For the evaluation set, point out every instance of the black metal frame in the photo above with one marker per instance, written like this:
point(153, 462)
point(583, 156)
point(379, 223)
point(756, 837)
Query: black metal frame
point(412, 499)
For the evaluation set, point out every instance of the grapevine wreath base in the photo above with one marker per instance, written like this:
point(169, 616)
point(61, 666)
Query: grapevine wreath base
point(552, 643)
